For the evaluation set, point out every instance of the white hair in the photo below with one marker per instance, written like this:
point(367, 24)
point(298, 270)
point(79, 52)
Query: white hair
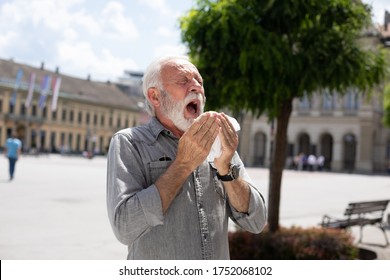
point(152, 78)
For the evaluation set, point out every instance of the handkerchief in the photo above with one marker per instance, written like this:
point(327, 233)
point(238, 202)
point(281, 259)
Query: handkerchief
point(216, 148)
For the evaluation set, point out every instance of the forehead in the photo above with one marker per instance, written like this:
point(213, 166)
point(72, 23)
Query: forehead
point(178, 67)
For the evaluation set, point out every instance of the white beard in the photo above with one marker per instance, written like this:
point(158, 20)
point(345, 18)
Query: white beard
point(174, 110)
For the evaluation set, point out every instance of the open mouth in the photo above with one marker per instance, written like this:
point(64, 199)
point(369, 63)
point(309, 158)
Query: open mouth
point(193, 107)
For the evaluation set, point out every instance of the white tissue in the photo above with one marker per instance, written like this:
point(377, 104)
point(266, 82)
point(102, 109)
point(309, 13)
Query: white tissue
point(216, 148)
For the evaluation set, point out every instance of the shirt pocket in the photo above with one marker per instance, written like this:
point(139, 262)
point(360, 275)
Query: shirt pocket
point(156, 169)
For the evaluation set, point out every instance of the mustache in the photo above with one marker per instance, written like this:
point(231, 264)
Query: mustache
point(195, 95)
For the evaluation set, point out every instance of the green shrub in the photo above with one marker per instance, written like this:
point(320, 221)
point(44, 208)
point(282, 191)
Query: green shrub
point(293, 243)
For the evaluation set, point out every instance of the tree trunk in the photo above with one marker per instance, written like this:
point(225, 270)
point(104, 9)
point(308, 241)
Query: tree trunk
point(278, 159)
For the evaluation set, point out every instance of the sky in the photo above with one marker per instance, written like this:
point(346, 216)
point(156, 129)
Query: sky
point(100, 38)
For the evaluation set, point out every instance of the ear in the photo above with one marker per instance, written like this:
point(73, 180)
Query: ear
point(154, 97)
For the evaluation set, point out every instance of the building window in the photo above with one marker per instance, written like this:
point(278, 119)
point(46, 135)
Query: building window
point(304, 105)
point(80, 118)
point(54, 115)
point(34, 110)
point(260, 143)
point(53, 142)
point(11, 108)
point(95, 119)
point(351, 100)
point(87, 118)
point(62, 139)
point(22, 109)
point(101, 148)
point(328, 100)
point(118, 122)
point(1, 105)
point(70, 141)
point(44, 112)
point(64, 115)
point(102, 120)
point(78, 143)
point(71, 116)
point(349, 156)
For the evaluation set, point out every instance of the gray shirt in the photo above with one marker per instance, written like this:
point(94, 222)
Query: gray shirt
point(195, 226)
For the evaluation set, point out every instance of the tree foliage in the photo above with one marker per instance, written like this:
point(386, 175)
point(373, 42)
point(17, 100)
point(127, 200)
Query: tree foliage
point(258, 55)
point(386, 93)
point(386, 106)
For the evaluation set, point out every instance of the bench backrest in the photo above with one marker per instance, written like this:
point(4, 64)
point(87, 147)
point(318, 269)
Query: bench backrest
point(358, 208)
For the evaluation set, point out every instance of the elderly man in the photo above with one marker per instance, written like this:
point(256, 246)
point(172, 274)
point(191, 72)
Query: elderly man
point(165, 199)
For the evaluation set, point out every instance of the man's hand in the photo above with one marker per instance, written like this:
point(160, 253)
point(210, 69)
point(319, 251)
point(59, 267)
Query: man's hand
point(194, 146)
point(229, 143)
point(196, 142)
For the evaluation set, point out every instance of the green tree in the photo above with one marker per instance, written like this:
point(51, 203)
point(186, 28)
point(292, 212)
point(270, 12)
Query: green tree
point(386, 92)
point(386, 106)
point(258, 56)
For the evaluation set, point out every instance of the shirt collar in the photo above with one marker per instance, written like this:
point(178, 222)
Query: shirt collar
point(156, 128)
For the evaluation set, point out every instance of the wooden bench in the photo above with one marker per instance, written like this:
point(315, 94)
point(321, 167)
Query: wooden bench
point(360, 214)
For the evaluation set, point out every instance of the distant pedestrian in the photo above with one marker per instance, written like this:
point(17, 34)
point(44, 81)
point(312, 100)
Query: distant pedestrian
point(13, 148)
point(320, 162)
point(312, 162)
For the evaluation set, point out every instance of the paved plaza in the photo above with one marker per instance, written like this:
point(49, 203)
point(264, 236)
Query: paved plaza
point(55, 207)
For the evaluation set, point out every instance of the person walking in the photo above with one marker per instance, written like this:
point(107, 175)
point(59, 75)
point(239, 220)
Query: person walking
point(13, 148)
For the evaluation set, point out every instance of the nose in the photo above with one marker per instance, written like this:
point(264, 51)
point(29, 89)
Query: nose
point(196, 86)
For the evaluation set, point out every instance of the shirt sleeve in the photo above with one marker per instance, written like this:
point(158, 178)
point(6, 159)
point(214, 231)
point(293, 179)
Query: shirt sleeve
point(255, 220)
point(133, 206)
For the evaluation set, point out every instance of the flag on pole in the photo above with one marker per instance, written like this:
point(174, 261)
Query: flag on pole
point(45, 87)
point(18, 80)
point(31, 87)
point(56, 91)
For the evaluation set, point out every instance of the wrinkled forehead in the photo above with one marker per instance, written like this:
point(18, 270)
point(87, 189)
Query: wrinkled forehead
point(178, 66)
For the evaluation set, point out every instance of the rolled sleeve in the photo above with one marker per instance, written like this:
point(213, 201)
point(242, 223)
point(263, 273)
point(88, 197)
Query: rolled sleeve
point(255, 220)
point(133, 206)
point(151, 205)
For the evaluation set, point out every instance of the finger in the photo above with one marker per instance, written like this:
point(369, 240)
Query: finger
point(198, 123)
point(205, 127)
point(228, 129)
point(227, 122)
point(229, 137)
point(209, 137)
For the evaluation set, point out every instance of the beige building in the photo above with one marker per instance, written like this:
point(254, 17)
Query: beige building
point(87, 113)
point(347, 130)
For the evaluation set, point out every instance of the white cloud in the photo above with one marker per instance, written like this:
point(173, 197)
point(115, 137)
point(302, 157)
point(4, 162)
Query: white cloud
point(86, 37)
point(116, 23)
point(87, 22)
point(158, 5)
point(168, 49)
point(81, 60)
point(166, 32)
point(69, 34)
point(6, 40)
